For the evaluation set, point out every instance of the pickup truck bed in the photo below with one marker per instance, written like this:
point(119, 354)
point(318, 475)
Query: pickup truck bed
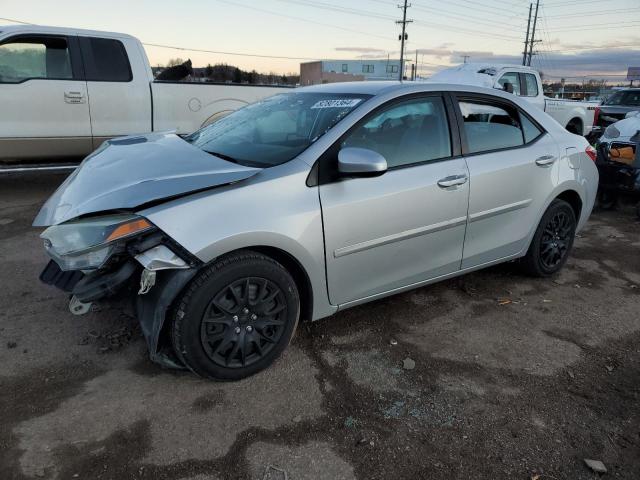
point(525, 82)
point(65, 91)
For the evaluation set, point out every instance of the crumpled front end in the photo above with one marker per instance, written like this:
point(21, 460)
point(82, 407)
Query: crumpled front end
point(118, 255)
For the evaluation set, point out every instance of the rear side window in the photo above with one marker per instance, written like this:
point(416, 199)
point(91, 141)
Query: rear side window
point(408, 132)
point(105, 60)
point(26, 57)
point(490, 126)
point(531, 84)
point(512, 78)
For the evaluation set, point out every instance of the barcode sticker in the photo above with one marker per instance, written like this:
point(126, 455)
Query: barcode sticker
point(337, 103)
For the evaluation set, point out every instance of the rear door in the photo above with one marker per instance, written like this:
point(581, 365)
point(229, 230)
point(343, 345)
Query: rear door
point(119, 91)
point(43, 98)
point(407, 225)
point(513, 167)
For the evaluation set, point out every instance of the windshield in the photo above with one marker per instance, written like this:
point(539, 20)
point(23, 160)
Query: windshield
point(631, 98)
point(276, 129)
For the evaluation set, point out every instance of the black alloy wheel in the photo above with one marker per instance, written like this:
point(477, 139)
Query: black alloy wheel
point(243, 322)
point(236, 317)
point(552, 240)
point(556, 238)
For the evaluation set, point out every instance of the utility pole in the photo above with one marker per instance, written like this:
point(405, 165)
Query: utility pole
point(415, 77)
point(464, 58)
point(403, 37)
point(533, 34)
point(526, 38)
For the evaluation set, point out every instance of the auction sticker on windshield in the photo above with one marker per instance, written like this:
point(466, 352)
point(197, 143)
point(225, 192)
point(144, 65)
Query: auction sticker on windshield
point(337, 103)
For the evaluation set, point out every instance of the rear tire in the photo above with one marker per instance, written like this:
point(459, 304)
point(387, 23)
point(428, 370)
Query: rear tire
point(552, 241)
point(236, 317)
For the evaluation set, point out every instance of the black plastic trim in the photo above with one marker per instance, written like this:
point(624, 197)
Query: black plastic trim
point(99, 285)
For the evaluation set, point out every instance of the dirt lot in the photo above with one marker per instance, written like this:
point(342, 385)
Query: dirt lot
point(514, 377)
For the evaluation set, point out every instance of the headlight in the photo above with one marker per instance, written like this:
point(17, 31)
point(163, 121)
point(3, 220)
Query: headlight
point(87, 244)
point(612, 132)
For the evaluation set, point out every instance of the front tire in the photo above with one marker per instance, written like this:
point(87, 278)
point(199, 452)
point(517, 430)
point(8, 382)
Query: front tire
point(552, 241)
point(236, 317)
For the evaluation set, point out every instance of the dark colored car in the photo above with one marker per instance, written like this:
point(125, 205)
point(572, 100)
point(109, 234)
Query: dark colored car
point(615, 108)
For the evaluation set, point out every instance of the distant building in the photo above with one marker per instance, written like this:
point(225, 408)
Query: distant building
point(330, 71)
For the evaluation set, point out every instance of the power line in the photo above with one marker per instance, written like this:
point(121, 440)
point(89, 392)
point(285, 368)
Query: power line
point(219, 52)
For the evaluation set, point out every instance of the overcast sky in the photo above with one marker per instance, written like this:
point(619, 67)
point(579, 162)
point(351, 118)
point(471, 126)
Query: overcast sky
point(588, 37)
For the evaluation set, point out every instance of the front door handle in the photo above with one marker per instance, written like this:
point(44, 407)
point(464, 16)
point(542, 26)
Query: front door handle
point(452, 181)
point(545, 160)
point(73, 97)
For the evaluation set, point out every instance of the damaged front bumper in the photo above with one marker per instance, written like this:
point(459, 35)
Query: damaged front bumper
point(162, 275)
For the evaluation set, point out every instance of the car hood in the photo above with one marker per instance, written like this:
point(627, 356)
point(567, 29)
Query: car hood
point(628, 128)
point(128, 172)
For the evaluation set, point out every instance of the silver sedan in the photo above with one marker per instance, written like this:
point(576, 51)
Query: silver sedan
point(310, 202)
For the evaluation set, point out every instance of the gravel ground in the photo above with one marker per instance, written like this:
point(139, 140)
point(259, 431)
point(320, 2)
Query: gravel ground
point(514, 378)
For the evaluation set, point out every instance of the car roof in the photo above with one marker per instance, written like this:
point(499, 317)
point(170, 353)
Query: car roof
point(384, 87)
point(43, 29)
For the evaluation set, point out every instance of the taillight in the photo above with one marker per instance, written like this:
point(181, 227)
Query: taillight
point(596, 114)
point(592, 152)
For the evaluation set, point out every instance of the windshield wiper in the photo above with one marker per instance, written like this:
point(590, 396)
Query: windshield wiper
point(224, 157)
point(244, 163)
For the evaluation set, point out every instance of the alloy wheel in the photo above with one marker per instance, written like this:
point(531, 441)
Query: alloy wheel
point(243, 322)
point(556, 239)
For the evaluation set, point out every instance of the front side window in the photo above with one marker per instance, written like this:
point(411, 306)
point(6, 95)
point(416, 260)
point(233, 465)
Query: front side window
point(490, 127)
point(532, 84)
point(105, 60)
point(276, 129)
point(513, 79)
point(35, 58)
point(408, 132)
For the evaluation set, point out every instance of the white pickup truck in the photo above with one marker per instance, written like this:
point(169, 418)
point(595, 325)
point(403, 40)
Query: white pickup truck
point(576, 117)
point(64, 91)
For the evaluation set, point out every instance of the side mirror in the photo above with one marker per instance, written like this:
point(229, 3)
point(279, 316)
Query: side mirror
point(361, 161)
point(508, 87)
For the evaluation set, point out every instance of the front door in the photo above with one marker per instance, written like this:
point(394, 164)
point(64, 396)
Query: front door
point(512, 166)
point(407, 225)
point(43, 99)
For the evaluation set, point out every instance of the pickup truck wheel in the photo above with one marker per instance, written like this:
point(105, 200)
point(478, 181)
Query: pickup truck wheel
point(574, 126)
point(552, 241)
point(236, 317)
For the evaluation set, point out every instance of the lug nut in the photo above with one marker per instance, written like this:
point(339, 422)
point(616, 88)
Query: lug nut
point(237, 330)
point(254, 316)
point(249, 328)
point(245, 310)
point(235, 318)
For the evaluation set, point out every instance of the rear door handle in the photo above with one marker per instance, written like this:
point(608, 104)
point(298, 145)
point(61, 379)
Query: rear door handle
point(452, 181)
point(545, 160)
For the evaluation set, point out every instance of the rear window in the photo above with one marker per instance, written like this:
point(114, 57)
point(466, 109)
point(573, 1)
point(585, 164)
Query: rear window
point(105, 60)
point(531, 84)
point(631, 99)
